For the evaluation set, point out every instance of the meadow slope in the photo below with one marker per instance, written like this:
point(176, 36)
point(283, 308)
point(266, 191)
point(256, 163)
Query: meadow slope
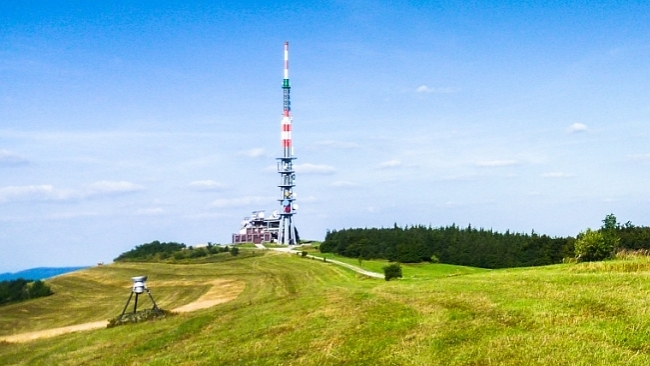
point(297, 311)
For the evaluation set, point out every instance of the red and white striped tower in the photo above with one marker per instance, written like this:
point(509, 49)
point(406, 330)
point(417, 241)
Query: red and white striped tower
point(287, 233)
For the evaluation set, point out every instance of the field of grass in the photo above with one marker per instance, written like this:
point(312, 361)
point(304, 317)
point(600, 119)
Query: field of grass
point(297, 311)
point(410, 271)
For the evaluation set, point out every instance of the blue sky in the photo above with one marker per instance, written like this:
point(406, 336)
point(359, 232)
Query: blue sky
point(130, 122)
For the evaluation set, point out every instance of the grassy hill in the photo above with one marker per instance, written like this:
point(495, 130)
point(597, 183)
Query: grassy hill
point(297, 311)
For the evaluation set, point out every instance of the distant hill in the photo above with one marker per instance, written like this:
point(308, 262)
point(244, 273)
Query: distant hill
point(39, 273)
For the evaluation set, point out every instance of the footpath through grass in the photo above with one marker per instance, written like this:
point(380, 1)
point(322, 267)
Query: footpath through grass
point(297, 311)
point(409, 270)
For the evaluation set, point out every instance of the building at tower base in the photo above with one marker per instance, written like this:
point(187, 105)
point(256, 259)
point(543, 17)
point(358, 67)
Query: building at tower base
point(258, 229)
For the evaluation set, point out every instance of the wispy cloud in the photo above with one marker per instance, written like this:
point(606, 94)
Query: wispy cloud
point(43, 192)
point(638, 157)
point(72, 215)
point(497, 163)
point(242, 201)
point(308, 168)
point(153, 211)
point(557, 175)
point(47, 192)
point(577, 127)
point(336, 144)
point(344, 184)
point(109, 187)
point(458, 178)
point(207, 185)
point(452, 204)
point(389, 164)
point(426, 89)
point(8, 158)
point(253, 153)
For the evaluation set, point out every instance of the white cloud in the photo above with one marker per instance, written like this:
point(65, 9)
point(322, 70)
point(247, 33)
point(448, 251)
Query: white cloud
point(423, 89)
point(557, 175)
point(47, 192)
point(242, 201)
point(426, 89)
point(337, 144)
point(43, 192)
point(577, 127)
point(72, 215)
point(253, 153)
point(308, 168)
point(497, 163)
point(452, 204)
point(343, 184)
point(207, 185)
point(393, 163)
point(154, 211)
point(638, 157)
point(108, 187)
point(10, 158)
point(458, 178)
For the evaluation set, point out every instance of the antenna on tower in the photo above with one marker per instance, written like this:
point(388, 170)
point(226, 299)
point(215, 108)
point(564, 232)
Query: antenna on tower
point(287, 233)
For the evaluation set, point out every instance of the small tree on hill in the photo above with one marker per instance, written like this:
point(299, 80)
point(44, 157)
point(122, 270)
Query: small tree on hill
point(609, 229)
point(392, 271)
point(593, 246)
point(234, 251)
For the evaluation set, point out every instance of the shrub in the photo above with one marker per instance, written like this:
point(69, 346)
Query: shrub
point(197, 253)
point(303, 253)
point(593, 246)
point(234, 251)
point(392, 271)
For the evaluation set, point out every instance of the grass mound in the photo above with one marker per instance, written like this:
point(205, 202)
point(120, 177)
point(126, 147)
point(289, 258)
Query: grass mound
point(139, 317)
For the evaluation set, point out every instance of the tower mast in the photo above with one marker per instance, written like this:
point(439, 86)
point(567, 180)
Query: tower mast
point(287, 233)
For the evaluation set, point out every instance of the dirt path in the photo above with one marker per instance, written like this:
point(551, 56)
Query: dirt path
point(343, 264)
point(221, 291)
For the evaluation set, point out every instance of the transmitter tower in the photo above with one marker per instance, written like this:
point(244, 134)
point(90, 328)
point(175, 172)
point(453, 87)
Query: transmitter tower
point(287, 233)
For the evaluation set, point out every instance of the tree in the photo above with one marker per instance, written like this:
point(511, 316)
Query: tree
point(234, 251)
point(392, 271)
point(609, 223)
point(592, 246)
point(609, 230)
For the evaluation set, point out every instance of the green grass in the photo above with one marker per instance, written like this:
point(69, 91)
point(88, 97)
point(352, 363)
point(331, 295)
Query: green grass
point(409, 270)
point(297, 311)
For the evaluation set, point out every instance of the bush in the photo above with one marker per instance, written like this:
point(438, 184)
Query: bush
point(392, 271)
point(234, 251)
point(593, 246)
point(197, 253)
point(303, 253)
point(21, 289)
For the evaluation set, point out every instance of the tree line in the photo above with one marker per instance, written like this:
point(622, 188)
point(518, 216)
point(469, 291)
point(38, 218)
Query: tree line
point(469, 246)
point(21, 289)
point(150, 251)
point(157, 251)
